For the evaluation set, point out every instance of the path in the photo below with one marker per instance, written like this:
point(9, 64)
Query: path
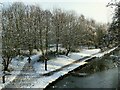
point(28, 78)
point(25, 78)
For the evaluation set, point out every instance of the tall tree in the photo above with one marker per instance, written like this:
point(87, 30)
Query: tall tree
point(100, 38)
point(47, 28)
point(68, 33)
point(18, 11)
point(8, 50)
point(58, 26)
point(114, 29)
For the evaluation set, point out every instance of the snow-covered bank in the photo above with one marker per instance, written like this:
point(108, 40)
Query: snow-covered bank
point(53, 64)
point(106, 52)
point(44, 81)
point(40, 81)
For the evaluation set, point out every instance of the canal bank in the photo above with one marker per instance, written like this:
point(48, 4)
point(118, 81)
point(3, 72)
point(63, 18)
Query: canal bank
point(60, 79)
point(33, 77)
point(104, 79)
point(36, 80)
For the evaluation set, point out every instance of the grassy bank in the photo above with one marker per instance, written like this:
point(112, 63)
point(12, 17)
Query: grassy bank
point(100, 64)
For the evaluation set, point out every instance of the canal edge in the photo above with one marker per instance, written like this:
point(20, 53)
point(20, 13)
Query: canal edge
point(81, 66)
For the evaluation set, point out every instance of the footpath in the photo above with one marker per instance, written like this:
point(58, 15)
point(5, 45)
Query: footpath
point(33, 75)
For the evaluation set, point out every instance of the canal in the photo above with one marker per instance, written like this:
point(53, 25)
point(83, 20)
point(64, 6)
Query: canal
point(107, 78)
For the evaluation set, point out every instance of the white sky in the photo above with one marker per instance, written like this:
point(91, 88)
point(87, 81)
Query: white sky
point(95, 9)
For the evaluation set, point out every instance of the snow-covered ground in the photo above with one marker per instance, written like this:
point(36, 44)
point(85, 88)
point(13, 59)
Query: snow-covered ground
point(53, 64)
point(83, 53)
point(46, 80)
point(59, 48)
point(62, 60)
point(106, 52)
point(16, 64)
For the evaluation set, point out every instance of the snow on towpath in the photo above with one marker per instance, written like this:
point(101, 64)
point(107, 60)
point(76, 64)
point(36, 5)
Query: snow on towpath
point(25, 78)
point(106, 52)
point(32, 74)
point(44, 81)
point(17, 64)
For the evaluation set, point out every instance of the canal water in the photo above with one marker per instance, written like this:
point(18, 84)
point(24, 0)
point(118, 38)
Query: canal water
point(104, 79)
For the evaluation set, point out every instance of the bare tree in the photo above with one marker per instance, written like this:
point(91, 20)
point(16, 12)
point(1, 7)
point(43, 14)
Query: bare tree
point(114, 31)
point(58, 26)
point(68, 33)
point(8, 50)
point(47, 28)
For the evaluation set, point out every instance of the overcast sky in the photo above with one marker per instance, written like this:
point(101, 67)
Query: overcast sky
point(95, 9)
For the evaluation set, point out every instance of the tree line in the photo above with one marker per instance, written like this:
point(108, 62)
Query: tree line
point(28, 27)
point(114, 29)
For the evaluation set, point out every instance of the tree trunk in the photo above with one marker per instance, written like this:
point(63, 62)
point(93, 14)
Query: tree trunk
point(19, 52)
point(68, 50)
point(57, 48)
point(46, 41)
point(57, 39)
point(6, 68)
point(42, 52)
point(30, 51)
point(6, 64)
point(3, 78)
point(96, 46)
point(46, 64)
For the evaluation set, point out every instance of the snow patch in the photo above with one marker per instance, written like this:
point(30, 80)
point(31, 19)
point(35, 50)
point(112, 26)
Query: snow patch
point(17, 66)
point(57, 63)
